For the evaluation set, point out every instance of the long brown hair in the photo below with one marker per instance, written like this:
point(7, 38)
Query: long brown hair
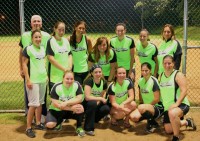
point(96, 51)
point(72, 40)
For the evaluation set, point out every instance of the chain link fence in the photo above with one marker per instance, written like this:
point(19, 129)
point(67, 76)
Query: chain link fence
point(101, 17)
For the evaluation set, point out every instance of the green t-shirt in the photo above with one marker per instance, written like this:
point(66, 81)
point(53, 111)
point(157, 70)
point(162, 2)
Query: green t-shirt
point(60, 50)
point(61, 93)
point(147, 54)
point(36, 65)
point(80, 56)
point(166, 48)
point(120, 92)
point(170, 90)
point(102, 62)
point(122, 49)
point(26, 39)
point(147, 89)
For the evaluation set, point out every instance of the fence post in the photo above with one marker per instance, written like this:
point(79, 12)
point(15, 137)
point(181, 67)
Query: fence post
point(185, 26)
point(21, 13)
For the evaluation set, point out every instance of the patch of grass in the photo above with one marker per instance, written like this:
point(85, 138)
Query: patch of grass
point(12, 118)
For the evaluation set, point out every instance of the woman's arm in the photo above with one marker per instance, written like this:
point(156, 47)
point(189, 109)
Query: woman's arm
point(25, 70)
point(156, 67)
point(88, 96)
point(130, 96)
point(53, 61)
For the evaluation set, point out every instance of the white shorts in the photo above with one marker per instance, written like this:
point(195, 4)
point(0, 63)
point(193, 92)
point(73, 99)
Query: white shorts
point(36, 94)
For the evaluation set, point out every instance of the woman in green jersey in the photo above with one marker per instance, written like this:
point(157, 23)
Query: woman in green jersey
point(80, 47)
point(66, 99)
point(59, 55)
point(95, 104)
point(36, 78)
point(150, 107)
point(105, 57)
point(121, 97)
point(147, 52)
point(173, 90)
point(169, 46)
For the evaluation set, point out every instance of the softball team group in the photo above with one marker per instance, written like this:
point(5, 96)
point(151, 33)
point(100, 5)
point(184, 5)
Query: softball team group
point(89, 83)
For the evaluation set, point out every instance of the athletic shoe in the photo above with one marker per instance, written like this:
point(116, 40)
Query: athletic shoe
point(58, 127)
point(30, 133)
point(80, 132)
point(175, 138)
point(150, 128)
point(40, 127)
point(191, 124)
point(91, 133)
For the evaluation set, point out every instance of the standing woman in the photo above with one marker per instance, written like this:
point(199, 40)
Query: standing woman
point(104, 56)
point(36, 78)
point(124, 48)
point(150, 107)
point(59, 55)
point(147, 52)
point(169, 46)
point(80, 47)
point(95, 99)
point(173, 90)
point(121, 97)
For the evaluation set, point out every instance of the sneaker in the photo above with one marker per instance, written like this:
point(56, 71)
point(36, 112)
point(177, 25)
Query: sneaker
point(175, 138)
point(58, 127)
point(150, 128)
point(91, 133)
point(106, 118)
point(80, 132)
point(40, 127)
point(191, 123)
point(30, 133)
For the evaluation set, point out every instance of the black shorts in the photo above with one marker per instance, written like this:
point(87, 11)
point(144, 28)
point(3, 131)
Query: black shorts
point(159, 110)
point(80, 77)
point(185, 108)
point(58, 116)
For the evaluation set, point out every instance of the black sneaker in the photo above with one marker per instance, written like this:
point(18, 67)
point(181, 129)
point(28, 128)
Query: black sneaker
point(191, 124)
point(30, 133)
point(58, 127)
point(40, 127)
point(175, 138)
point(150, 128)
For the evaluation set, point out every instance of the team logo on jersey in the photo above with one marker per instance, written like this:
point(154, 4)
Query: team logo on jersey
point(118, 95)
point(62, 50)
point(78, 49)
point(96, 92)
point(120, 49)
point(65, 98)
point(40, 56)
point(144, 91)
point(142, 54)
point(166, 84)
point(102, 62)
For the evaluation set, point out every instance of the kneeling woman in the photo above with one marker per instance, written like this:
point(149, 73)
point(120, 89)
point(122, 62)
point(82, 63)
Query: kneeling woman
point(150, 106)
point(95, 102)
point(121, 97)
point(66, 98)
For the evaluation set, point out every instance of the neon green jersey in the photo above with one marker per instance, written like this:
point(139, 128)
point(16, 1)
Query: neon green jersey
point(60, 50)
point(147, 54)
point(26, 39)
point(170, 91)
point(36, 65)
point(122, 49)
point(80, 56)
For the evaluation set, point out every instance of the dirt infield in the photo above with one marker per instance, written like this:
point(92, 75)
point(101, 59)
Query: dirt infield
point(13, 130)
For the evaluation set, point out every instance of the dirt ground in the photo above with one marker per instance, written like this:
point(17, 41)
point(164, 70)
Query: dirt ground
point(15, 131)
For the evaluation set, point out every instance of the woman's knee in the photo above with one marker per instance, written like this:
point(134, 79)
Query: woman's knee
point(51, 125)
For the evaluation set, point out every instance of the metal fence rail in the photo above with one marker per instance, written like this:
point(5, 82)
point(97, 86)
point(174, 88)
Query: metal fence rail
point(101, 17)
